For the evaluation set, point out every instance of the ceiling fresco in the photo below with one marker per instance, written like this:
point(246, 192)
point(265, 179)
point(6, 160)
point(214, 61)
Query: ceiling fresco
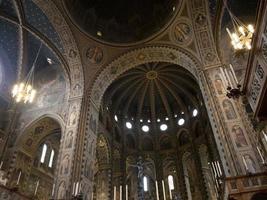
point(121, 21)
point(10, 43)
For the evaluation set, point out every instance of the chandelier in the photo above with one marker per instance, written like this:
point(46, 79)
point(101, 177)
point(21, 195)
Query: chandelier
point(24, 91)
point(230, 82)
point(241, 36)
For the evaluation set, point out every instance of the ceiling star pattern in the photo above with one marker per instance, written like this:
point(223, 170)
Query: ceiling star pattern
point(36, 18)
point(7, 7)
point(9, 32)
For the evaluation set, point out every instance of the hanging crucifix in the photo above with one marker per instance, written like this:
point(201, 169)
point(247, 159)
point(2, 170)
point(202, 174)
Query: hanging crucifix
point(140, 165)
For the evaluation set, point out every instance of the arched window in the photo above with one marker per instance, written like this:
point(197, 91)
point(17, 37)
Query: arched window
point(145, 183)
point(265, 136)
point(170, 182)
point(51, 158)
point(43, 153)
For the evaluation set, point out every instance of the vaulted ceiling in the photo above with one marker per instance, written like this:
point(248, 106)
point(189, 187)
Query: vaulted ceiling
point(152, 93)
point(122, 21)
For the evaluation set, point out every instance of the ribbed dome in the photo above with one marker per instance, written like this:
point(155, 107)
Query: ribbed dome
point(153, 91)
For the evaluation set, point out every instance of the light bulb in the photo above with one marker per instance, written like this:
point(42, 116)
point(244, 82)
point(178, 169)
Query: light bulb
point(248, 45)
point(241, 30)
point(29, 87)
point(235, 37)
point(32, 96)
point(21, 87)
point(239, 45)
point(251, 28)
point(15, 90)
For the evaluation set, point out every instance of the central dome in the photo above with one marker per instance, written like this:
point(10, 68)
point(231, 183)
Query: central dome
point(153, 92)
point(121, 21)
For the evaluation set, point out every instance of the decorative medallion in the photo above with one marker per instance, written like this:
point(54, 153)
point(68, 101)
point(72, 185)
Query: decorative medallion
point(94, 54)
point(182, 32)
point(151, 75)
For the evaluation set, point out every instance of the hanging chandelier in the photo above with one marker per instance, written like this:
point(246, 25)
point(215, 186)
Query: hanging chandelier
point(230, 82)
point(241, 36)
point(24, 91)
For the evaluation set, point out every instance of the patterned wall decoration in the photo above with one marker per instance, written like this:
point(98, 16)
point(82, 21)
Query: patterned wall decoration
point(201, 23)
point(238, 140)
point(257, 84)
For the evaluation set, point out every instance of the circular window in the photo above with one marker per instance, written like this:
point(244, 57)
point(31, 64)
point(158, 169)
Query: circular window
point(181, 122)
point(145, 128)
point(163, 127)
point(129, 125)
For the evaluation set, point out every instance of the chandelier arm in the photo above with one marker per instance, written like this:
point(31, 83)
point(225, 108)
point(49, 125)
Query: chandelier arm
point(29, 77)
point(236, 22)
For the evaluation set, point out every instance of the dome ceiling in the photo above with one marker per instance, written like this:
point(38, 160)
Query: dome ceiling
point(153, 92)
point(122, 21)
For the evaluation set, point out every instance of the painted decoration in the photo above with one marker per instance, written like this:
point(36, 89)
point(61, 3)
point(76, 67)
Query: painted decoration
point(65, 165)
point(182, 33)
point(250, 164)
point(218, 84)
point(62, 190)
point(94, 55)
point(239, 136)
point(73, 116)
point(229, 109)
point(50, 88)
point(69, 140)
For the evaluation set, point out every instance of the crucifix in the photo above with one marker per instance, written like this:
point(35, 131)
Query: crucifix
point(140, 165)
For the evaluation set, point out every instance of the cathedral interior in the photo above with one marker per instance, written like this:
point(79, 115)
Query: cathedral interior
point(146, 100)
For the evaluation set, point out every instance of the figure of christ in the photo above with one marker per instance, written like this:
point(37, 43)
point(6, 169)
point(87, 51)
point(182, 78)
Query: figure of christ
point(140, 165)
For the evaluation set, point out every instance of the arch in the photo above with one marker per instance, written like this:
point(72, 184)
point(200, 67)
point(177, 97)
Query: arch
point(130, 141)
point(103, 150)
point(197, 128)
point(136, 57)
point(51, 115)
point(147, 144)
point(117, 134)
point(183, 138)
point(39, 128)
point(165, 143)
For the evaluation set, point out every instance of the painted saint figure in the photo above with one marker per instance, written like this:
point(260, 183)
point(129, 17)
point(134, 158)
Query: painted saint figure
point(239, 136)
point(229, 109)
point(218, 84)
